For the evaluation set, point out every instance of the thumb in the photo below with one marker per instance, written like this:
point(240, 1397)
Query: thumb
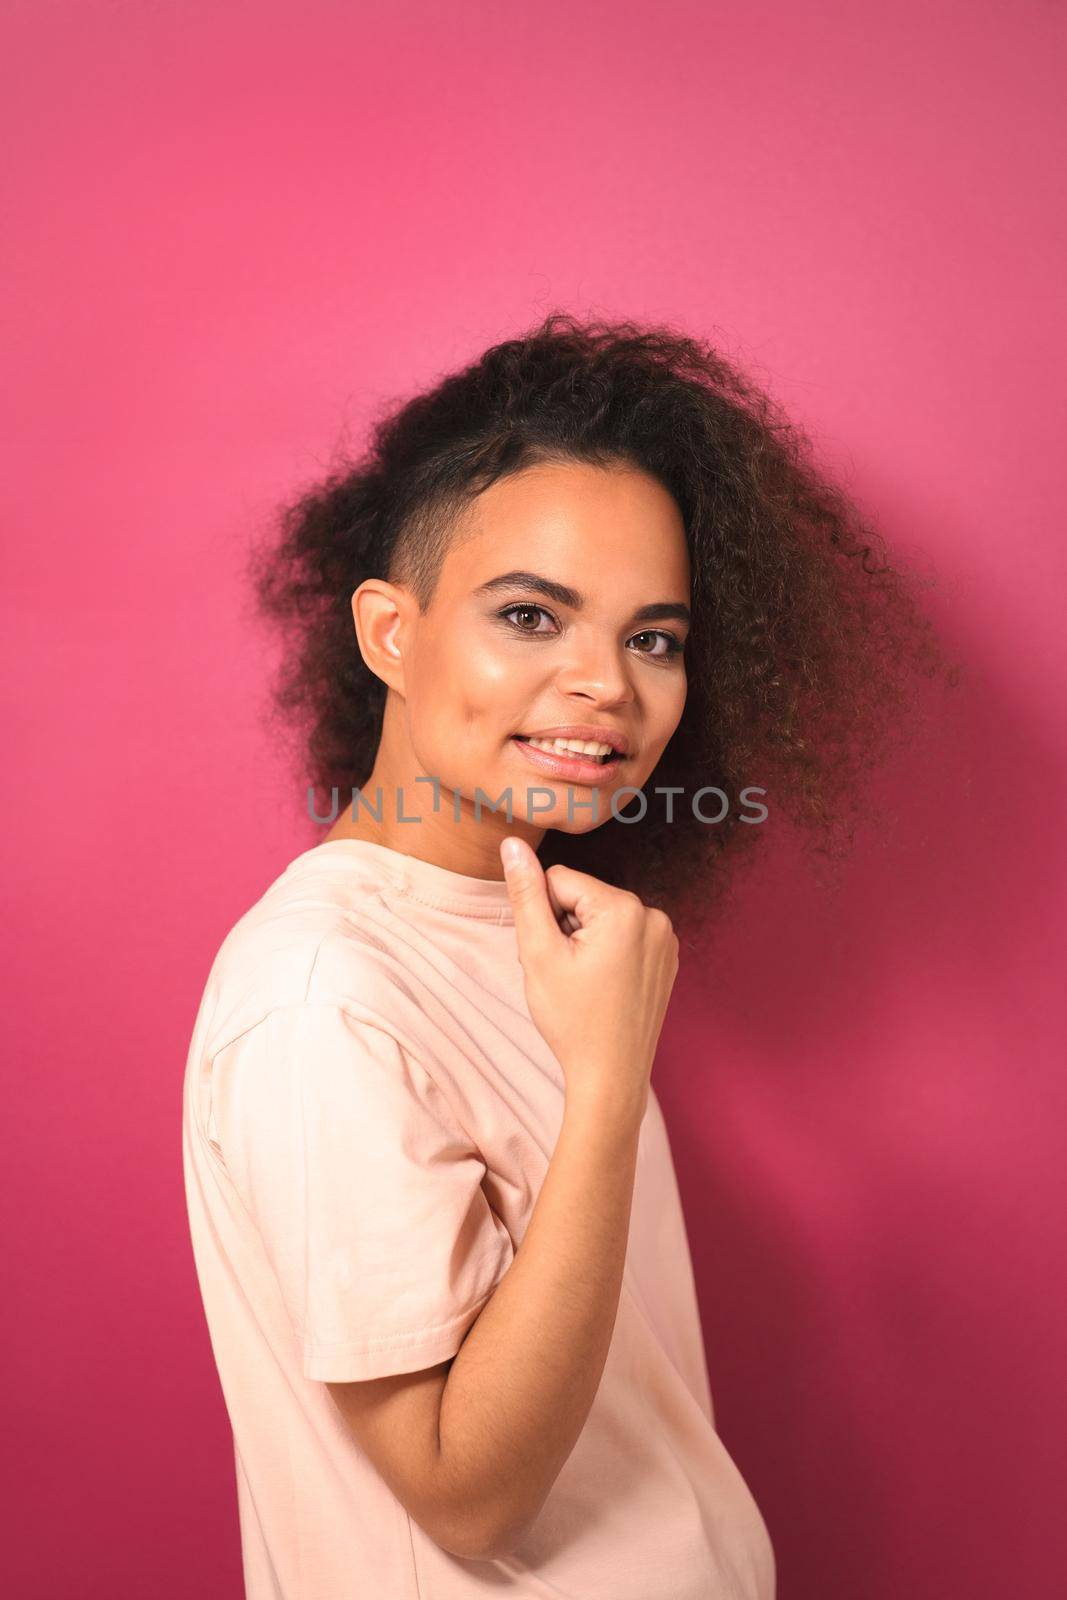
point(535, 921)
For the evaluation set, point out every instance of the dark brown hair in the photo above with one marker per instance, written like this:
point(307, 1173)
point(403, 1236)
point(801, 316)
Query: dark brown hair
point(805, 643)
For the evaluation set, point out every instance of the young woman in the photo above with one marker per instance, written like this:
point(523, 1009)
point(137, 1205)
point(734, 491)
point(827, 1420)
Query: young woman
point(583, 615)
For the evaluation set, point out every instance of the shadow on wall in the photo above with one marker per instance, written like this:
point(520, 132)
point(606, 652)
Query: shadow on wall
point(863, 1114)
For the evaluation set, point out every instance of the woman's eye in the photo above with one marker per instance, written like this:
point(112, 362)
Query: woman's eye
point(524, 611)
point(671, 644)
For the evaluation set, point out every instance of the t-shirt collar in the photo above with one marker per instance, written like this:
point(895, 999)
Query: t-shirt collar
point(426, 882)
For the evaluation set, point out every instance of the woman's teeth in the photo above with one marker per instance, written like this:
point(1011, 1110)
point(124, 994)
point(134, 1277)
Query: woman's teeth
point(571, 747)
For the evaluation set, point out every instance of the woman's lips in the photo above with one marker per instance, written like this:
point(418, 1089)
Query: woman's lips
point(579, 769)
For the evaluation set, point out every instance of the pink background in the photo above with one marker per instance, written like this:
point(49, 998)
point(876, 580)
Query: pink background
point(236, 230)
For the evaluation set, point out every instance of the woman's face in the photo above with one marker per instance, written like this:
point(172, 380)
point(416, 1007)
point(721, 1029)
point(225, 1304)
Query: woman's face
point(591, 638)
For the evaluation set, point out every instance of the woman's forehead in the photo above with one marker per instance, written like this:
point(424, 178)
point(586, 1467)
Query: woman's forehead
point(575, 530)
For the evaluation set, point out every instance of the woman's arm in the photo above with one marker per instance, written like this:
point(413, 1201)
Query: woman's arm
point(472, 1447)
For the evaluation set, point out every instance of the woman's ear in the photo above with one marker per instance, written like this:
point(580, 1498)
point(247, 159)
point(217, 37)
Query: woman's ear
point(380, 612)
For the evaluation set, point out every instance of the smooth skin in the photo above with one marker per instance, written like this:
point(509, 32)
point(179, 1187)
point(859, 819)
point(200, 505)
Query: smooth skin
point(471, 1447)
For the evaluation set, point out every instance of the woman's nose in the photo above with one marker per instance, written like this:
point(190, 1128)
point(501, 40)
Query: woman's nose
point(598, 670)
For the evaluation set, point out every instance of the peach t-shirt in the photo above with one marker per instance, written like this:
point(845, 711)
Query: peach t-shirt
point(368, 1116)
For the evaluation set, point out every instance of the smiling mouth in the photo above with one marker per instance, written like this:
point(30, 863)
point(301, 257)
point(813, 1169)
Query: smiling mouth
point(563, 750)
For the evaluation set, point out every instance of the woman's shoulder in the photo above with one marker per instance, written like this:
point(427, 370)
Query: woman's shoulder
point(313, 937)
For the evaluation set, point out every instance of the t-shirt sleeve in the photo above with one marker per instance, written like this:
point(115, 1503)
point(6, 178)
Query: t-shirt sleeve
point(365, 1190)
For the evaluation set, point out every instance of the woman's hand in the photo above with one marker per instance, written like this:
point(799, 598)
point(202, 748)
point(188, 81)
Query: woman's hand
point(597, 994)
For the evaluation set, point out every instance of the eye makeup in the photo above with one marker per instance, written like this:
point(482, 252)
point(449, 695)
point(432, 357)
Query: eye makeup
point(673, 646)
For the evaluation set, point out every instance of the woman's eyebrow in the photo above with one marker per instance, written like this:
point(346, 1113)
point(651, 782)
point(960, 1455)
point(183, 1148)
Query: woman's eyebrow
point(658, 611)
